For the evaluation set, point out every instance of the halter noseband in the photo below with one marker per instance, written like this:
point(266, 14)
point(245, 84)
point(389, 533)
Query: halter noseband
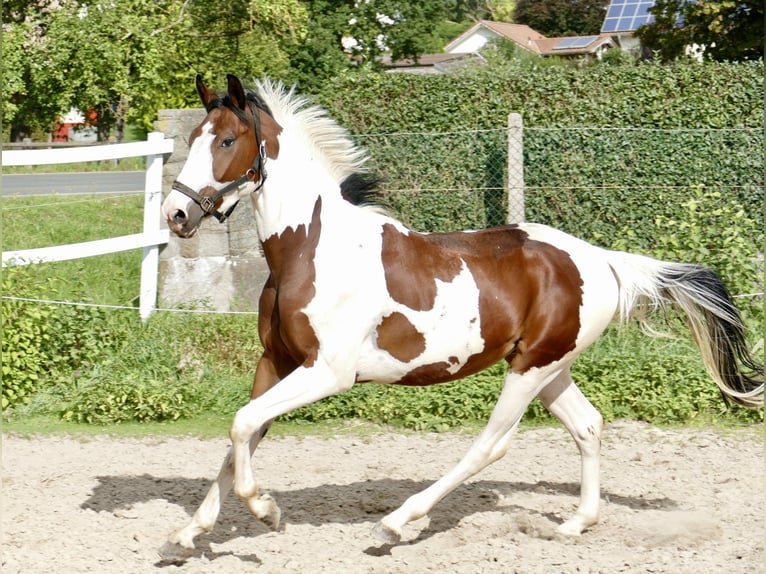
point(207, 202)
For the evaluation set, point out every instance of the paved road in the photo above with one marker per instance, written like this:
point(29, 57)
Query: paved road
point(73, 183)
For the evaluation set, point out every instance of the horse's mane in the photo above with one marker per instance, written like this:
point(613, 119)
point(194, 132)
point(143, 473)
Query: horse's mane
point(341, 156)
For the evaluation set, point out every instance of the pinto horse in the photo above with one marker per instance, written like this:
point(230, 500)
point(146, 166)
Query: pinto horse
point(355, 296)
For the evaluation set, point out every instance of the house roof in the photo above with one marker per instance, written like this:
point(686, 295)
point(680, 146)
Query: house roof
point(531, 39)
point(572, 45)
point(469, 42)
point(519, 33)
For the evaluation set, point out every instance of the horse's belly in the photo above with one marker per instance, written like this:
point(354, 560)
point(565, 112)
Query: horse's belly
point(421, 361)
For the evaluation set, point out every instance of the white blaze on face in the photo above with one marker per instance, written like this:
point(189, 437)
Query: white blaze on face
point(197, 173)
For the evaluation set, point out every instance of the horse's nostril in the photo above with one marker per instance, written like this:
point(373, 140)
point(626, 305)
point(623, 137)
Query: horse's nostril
point(179, 217)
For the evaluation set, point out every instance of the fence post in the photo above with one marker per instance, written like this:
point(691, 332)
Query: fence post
point(515, 168)
point(152, 203)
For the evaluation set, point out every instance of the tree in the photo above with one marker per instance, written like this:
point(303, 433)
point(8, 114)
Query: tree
point(344, 35)
point(14, 86)
point(473, 10)
point(561, 17)
point(724, 29)
point(125, 59)
point(319, 56)
point(401, 29)
point(501, 10)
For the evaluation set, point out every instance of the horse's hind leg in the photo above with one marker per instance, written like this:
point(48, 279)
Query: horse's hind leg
point(565, 400)
point(491, 445)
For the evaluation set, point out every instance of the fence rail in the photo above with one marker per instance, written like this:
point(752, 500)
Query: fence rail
point(149, 240)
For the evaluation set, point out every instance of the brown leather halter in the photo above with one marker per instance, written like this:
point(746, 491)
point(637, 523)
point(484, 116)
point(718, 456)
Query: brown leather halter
point(207, 202)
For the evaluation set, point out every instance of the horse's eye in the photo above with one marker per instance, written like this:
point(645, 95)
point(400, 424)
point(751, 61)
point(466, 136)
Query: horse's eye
point(227, 142)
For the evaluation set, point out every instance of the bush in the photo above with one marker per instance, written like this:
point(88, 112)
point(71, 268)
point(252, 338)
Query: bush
point(106, 398)
point(43, 343)
point(710, 230)
point(25, 334)
point(627, 374)
point(174, 366)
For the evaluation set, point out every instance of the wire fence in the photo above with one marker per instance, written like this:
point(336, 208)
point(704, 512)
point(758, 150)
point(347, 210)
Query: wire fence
point(607, 185)
point(445, 181)
point(458, 180)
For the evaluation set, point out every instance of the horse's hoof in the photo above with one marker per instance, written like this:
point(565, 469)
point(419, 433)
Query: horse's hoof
point(385, 534)
point(266, 510)
point(574, 527)
point(175, 553)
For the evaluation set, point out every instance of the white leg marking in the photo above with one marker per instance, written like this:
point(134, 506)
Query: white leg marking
point(491, 445)
point(565, 400)
point(180, 544)
point(302, 387)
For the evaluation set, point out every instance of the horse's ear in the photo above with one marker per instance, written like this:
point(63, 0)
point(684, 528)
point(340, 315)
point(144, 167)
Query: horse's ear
point(236, 92)
point(205, 94)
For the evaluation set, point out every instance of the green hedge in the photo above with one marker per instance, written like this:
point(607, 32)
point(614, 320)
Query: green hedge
point(647, 95)
point(680, 187)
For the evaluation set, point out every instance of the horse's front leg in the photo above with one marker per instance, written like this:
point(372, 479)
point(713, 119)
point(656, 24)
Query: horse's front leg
point(180, 544)
point(303, 386)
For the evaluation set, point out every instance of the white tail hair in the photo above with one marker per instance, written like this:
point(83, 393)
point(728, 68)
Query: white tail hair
point(648, 284)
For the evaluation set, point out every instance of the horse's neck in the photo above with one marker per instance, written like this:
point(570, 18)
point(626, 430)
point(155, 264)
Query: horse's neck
point(295, 181)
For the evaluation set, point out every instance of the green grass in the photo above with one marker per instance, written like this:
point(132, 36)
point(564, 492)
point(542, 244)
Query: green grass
point(45, 221)
point(42, 221)
point(108, 367)
point(210, 426)
point(202, 426)
point(124, 164)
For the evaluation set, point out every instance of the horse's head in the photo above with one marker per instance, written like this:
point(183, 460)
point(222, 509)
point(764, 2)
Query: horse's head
point(227, 157)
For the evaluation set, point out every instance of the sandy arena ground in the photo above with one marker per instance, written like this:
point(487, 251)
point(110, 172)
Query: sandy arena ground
point(673, 501)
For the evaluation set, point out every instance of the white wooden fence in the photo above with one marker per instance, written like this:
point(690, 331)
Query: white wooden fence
point(149, 240)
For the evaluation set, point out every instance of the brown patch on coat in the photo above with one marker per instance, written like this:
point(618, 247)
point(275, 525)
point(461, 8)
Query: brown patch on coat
point(233, 161)
point(285, 331)
point(400, 338)
point(530, 294)
point(412, 265)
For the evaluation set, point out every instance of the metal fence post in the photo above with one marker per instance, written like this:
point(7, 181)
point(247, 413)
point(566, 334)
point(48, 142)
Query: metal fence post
point(515, 168)
point(151, 255)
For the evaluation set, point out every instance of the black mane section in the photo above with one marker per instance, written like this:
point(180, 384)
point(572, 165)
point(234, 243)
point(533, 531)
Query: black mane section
point(362, 189)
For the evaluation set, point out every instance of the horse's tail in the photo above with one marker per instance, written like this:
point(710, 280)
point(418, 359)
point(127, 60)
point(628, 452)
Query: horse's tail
point(647, 284)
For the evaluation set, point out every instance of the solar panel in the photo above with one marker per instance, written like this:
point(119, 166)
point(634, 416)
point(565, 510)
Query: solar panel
point(574, 42)
point(627, 15)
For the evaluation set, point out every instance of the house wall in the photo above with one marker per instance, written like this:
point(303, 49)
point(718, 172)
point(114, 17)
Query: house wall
point(474, 42)
point(628, 43)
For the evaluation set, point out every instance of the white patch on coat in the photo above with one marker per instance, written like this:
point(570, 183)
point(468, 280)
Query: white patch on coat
point(351, 300)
